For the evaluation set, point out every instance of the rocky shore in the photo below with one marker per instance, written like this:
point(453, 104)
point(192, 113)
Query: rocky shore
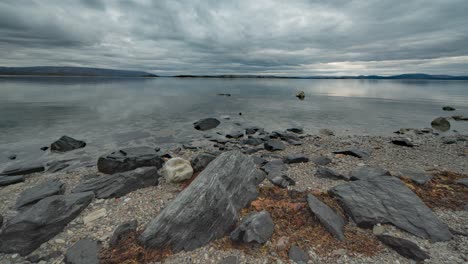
point(245, 196)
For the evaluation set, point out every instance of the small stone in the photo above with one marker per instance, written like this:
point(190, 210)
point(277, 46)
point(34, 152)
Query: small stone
point(66, 143)
point(59, 241)
point(378, 229)
point(323, 172)
point(296, 158)
point(404, 247)
point(177, 170)
point(93, 216)
point(282, 243)
point(256, 227)
point(230, 260)
point(326, 132)
point(85, 251)
point(448, 108)
point(405, 142)
point(274, 145)
point(298, 255)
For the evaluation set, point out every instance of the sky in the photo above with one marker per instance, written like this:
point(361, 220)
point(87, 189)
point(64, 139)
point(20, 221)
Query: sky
point(264, 37)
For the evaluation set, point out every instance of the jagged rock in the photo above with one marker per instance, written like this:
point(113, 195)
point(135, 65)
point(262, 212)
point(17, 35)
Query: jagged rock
point(449, 140)
point(448, 108)
point(255, 227)
point(296, 130)
point(253, 150)
point(200, 161)
point(23, 168)
point(367, 172)
point(358, 153)
point(123, 230)
point(296, 158)
point(326, 132)
point(274, 145)
point(321, 160)
point(30, 228)
point(332, 221)
point(66, 143)
point(441, 124)
point(405, 142)
point(39, 192)
point(297, 255)
point(208, 207)
point(386, 200)
point(463, 181)
point(85, 251)
point(206, 124)
point(417, 176)
point(404, 247)
point(7, 180)
point(275, 166)
point(129, 159)
point(119, 184)
point(323, 172)
point(235, 134)
point(177, 170)
point(280, 179)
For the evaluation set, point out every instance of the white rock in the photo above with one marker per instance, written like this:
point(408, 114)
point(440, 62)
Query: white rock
point(59, 241)
point(94, 216)
point(177, 170)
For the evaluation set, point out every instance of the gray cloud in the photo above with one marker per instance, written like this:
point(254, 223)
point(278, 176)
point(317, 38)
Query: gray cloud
point(303, 37)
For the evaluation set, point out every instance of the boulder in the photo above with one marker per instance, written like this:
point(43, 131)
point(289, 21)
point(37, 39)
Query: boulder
point(85, 251)
point(129, 159)
point(208, 207)
point(417, 176)
point(404, 247)
point(323, 172)
point(387, 200)
point(122, 231)
point(358, 153)
point(448, 108)
point(39, 192)
point(206, 124)
point(296, 158)
point(405, 142)
point(297, 255)
point(201, 160)
point(26, 231)
point(119, 184)
point(66, 143)
point(332, 221)
point(367, 172)
point(256, 227)
point(274, 145)
point(177, 170)
point(23, 168)
point(321, 160)
point(296, 130)
point(7, 180)
point(441, 124)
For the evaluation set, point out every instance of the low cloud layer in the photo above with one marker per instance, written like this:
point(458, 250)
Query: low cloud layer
point(303, 37)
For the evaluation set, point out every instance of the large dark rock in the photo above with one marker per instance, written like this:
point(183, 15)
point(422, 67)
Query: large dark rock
point(358, 153)
point(441, 124)
point(66, 143)
point(85, 251)
point(387, 200)
point(448, 108)
point(332, 221)
point(404, 247)
point(321, 160)
point(122, 231)
point(30, 228)
point(323, 172)
point(120, 184)
point(206, 124)
point(296, 158)
point(208, 207)
point(256, 227)
point(274, 145)
point(129, 159)
point(7, 180)
point(367, 172)
point(405, 142)
point(39, 192)
point(23, 168)
point(297, 255)
point(417, 176)
point(200, 161)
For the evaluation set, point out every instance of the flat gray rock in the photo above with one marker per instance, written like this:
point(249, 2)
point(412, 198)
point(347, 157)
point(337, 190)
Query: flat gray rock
point(358, 153)
point(332, 221)
point(323, 172)
point(85, 251)
point(296, 158)
point(120, 184)
point(280, 179)
point(206, 124)
point(321, 160)
point(417, 176)
point(39, 192)
point(209, 207)
point(129, 159)
point(23, 168)
point(274, 166)
point(30, 228)
point(7, 180)
point(405, 142)
point(404, 247)
point(367, 172)
point(66, 143)
point(387, 200)
point(274, 145)
point(256, 227)
point(298, 255)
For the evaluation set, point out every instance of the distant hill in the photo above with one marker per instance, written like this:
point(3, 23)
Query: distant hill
point(71, 71)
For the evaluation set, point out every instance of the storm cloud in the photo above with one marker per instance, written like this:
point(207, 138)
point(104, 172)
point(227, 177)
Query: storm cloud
point(303, 37)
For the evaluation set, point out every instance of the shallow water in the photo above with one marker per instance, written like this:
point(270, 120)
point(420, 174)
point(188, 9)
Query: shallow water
point(109, 112)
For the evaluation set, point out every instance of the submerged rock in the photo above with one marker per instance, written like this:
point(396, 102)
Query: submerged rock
point(441, 124)
point(404, 247)
point(367, 172)
point(208, 207)
point(296, 130)
point(332, 221)
point(206, 124)
point(460, 118)
point(39, 192)
point(66, 143)
point(129, 159)
point(177, 170)
point(85, 251)
point(256, 227)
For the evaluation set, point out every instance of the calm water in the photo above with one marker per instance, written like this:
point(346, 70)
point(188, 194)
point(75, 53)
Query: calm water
point(114, 112)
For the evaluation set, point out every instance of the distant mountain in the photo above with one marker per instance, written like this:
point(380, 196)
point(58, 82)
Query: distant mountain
point(71, 71)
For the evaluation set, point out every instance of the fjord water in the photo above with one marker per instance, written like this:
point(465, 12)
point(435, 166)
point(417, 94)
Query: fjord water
point(110, 112)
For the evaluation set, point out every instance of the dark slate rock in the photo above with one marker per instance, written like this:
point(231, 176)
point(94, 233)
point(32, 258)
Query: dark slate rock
point(206, 124)
point(120, 184)
point(405, 142)
point(404, 247)
point(298, 255)
point(280, 179)
point(30, 228)
point(7, 180)
point(85, 251)
point(367, 172)
point(358, 153)
point(323, 172)
point(129, 159)
point(66, 143)
point(417, 176)
point(39, 192)
point(275, 166)
point(12, 157)
point(256, 227)
point(235, 134)
point(274, 145)
point(294, 142)
point(252, 130)
point(321, 160)
point(284, 136)
point(1, 221)
point(56, 166)
point(448, 108)
point(122, 231)
point(24, 168)
point(441, 124)
point(296, 130)
point(387, 200)
point(200, 161)
point(252, 141)
point(332, 221)
point(253, 150)
point(209, 207)
point(296, 158)
point(44, 148)
point(463, 181)
point(259, 161)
